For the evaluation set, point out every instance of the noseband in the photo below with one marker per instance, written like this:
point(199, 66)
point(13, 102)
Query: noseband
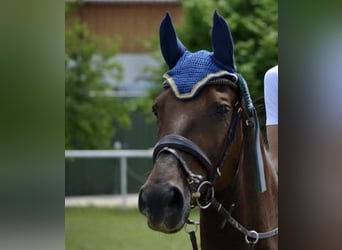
point(173, 142)
point(168, 144)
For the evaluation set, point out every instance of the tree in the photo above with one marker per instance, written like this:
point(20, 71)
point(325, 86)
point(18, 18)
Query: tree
point(90, 114)
point(254, 29)
point(254, 26)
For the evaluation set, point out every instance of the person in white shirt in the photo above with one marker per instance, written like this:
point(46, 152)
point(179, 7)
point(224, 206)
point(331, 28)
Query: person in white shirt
point(271, 107)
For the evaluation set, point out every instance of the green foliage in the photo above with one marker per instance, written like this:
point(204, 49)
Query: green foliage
point(254, 29)
point(195, 33)
point(90, 115)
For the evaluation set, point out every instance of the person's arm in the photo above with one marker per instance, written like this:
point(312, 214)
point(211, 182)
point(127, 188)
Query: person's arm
point(271, 107)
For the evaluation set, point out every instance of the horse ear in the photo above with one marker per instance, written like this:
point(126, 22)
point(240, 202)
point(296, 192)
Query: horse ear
point(171, 48)
point(222, 43)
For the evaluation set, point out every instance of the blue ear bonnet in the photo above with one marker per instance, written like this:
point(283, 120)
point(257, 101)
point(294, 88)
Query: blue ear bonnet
point(189, 72)
point(192, 72)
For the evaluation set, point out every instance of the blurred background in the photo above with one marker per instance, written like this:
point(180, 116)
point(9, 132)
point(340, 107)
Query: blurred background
point(113, 72)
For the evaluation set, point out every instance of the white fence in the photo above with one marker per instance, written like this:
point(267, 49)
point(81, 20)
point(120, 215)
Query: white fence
point(123, 155)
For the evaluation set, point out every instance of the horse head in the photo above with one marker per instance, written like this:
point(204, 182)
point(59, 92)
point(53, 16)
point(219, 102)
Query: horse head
point(199, 130)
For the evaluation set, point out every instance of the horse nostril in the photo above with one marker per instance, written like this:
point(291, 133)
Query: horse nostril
point(174, 198)
point(142, 201)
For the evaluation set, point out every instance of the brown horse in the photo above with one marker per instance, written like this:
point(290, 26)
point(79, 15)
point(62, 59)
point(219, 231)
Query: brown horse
point(210, 153)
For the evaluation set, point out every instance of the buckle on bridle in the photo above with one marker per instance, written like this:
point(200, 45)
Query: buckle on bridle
point(210, 194)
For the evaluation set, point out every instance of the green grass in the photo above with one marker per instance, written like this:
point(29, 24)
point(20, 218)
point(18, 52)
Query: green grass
point(113, 229)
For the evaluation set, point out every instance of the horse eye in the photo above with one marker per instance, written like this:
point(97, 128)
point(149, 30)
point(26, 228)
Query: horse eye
point(222, 110)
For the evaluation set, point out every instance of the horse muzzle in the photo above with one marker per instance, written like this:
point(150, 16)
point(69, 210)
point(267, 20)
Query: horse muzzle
point(164, 206)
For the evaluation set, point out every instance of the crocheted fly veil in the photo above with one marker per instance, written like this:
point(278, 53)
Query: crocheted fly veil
point(190, 72)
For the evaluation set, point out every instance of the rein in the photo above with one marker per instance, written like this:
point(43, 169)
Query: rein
point(248, 233)
point(171, 143)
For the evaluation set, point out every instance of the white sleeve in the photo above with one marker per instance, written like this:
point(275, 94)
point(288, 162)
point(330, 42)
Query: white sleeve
point(271, 96)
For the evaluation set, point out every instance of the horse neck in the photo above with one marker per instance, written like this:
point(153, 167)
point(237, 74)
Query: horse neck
point(254, 210)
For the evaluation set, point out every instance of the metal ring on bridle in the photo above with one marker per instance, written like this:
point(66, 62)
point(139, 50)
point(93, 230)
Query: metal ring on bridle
point(211, 188)
point(252, 234)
